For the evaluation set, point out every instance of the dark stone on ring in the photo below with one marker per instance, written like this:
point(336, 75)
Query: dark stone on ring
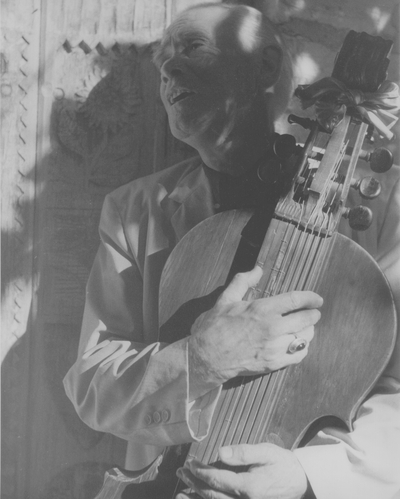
point(297, 344)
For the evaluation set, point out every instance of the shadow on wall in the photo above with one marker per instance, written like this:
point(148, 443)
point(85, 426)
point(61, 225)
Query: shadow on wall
point(99, 140)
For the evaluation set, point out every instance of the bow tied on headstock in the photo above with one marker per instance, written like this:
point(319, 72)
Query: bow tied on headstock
point(332, 99)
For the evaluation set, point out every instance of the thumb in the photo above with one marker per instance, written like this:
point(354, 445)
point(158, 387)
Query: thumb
point(240, 284)
point(242, 454)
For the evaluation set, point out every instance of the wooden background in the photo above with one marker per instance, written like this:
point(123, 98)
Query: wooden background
point(80, 116)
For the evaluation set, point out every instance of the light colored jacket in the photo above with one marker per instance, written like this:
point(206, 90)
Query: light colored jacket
point(127, 383)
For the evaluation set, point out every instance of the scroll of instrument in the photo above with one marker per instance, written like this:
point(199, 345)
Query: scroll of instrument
point(301, 250)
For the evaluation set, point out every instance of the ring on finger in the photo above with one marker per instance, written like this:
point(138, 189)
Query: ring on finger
point(297, 344)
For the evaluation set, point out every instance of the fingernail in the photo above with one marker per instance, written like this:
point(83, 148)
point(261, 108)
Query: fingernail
point(183, 475)
point(226, 452)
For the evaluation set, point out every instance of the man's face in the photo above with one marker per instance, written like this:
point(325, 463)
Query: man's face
point(208, 72)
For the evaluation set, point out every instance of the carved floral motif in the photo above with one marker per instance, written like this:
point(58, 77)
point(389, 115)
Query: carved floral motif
point(102, 129)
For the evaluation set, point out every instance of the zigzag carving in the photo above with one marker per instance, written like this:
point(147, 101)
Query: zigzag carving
point(20, 231)
point(83, 45)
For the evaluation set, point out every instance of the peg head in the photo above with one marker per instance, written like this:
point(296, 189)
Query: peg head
point(360, 217)
point(380, 160)
point(285, 146)
point(306, 123)
point(369, 187)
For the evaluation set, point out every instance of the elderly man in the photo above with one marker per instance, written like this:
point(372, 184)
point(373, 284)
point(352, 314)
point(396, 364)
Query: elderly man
point(224, 79)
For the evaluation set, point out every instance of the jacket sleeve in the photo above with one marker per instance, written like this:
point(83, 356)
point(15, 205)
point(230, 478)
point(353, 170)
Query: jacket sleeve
point(365, 463)
point(119, 384)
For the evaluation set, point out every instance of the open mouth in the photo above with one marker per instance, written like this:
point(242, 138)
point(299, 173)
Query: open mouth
point(179, 95)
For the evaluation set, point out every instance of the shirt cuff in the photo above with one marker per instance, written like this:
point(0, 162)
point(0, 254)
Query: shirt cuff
point(196, 414)
point(323, 464)
point(334, 470)
point(200, 412)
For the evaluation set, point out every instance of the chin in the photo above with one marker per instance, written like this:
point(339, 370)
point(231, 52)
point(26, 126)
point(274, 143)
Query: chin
point(189, 124)
point(182, 135)
point(185, 133)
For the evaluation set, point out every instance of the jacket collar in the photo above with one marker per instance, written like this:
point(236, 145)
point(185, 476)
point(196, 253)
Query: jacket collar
point(191, 200)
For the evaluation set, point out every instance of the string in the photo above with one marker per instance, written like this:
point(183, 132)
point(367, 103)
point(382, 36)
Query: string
point(234, 432)
point(256, 408)
point(273, 283)
point(261, 422)
point(300, 261)
point(219, 435)
point(316, 254)
point(279, 376)
point(235, 435)
point(298, 268)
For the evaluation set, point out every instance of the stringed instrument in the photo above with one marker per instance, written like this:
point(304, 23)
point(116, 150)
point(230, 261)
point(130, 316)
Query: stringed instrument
point(301, 250)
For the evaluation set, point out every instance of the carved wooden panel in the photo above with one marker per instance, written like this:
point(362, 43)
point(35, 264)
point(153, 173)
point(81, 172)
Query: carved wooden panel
point(81, 115)
point(19, 101)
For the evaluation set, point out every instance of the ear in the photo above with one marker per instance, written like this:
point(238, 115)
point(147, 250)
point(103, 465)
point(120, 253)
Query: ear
point(272, 57)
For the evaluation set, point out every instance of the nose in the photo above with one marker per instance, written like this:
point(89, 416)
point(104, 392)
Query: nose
point(171, 68)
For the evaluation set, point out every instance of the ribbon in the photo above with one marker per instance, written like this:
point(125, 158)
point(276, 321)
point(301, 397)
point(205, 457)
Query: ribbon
point(332, 99)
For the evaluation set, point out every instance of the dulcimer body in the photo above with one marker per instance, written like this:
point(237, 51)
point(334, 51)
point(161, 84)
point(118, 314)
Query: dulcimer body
point(353, 339)
point(351, 347)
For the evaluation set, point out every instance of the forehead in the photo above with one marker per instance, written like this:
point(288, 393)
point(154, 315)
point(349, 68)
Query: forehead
point(200, 23)
point(234, 27)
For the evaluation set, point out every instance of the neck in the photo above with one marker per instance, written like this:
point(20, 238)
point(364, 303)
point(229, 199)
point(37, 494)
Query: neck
point(242, 147)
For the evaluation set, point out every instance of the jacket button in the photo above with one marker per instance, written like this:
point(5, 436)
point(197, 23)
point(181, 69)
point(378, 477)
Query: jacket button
point(156, 417)
point(165, 415)
point(148, 420)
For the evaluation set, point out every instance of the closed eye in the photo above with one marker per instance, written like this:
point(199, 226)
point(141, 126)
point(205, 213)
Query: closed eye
point(192, 47)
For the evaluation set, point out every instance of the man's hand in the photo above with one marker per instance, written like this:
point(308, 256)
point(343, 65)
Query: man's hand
point(240, 337)
point(274, 473)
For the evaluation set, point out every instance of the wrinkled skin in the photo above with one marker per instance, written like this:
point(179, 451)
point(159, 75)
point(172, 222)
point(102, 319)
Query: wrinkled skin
point(237, 337)
point(213, 86)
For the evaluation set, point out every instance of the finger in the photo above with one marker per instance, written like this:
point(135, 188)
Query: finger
point(282, 341)
point(307, 333)
point(188, 495)
point(299, 321)
point(220, 480)
point(287, 303)
point(200, 487)
point(245, 454)
point(239, 285)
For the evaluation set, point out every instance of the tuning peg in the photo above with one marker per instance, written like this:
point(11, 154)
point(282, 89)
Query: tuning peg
point(369, 187)
point(380, 159)
point(285, 146)
point(306, 123)
point(360, 217)
point(369, 136)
